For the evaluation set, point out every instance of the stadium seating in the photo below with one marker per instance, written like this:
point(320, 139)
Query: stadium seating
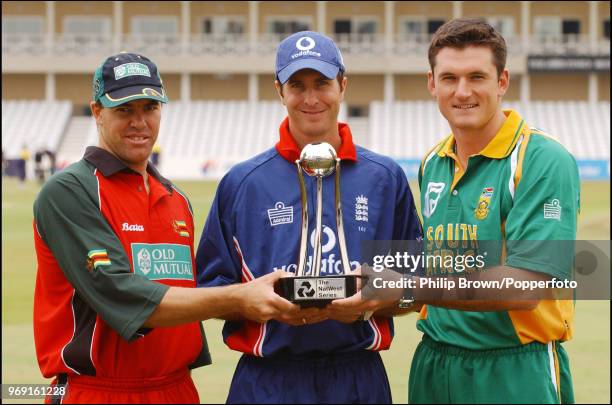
point(583, 128)
point(80, 132)
point(209, 129)
point(210, 136)
point(205, 138)
point(38, 124)
point(405, 129)
point(409, 129)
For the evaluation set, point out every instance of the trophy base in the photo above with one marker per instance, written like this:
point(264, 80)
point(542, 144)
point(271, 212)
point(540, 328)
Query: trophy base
point(307, 291)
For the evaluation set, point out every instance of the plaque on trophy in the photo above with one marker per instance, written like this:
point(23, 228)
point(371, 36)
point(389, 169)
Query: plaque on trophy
point(319, 160)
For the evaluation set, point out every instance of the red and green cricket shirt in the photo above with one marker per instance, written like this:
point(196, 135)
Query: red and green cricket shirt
point(107, 252)
point(523, 186)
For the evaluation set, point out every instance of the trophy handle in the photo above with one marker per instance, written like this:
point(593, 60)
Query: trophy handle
point(304, 233)
point(316, 256)
point(346, 266)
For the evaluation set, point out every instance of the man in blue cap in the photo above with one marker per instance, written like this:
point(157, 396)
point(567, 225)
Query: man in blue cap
point(253, 229)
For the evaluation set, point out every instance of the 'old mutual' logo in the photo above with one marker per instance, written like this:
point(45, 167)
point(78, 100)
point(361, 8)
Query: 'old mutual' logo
point(144, 261)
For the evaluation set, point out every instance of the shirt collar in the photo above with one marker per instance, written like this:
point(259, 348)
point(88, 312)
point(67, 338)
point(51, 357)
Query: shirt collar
point(502, 143)
point(288, 148)
point(108, 164)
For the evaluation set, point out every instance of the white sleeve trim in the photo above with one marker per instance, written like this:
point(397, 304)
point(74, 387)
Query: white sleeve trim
point(431, 154)
point(513, 165)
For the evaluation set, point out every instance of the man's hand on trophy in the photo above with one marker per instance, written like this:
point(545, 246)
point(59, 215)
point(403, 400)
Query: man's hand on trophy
point(347, 313)
point(353, 308)
point(305, 316)
point(348, 310)
point(258, 302)
point(301, 316)
point(366, 301)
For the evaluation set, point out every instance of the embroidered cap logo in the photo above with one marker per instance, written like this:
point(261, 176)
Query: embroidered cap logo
point(301, 47)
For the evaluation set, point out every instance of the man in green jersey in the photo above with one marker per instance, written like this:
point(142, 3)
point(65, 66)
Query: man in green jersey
point(493, 178)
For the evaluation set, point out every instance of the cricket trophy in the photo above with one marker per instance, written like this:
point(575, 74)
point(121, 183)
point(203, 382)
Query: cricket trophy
point(319, 160)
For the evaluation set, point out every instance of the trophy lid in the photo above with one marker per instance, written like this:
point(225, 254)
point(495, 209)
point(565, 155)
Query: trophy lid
point(318, 159)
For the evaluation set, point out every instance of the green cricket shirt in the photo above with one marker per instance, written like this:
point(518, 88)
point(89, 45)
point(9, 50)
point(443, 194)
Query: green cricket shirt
point(523, 186)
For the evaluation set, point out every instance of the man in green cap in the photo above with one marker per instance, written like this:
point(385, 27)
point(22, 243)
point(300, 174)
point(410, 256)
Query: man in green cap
point(116, 314)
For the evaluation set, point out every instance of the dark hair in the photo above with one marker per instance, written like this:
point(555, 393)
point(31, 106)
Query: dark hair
point(339, 78)
point(463, 32)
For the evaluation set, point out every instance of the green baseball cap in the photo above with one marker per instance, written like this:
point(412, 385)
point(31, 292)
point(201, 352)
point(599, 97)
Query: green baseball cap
point(125, 77)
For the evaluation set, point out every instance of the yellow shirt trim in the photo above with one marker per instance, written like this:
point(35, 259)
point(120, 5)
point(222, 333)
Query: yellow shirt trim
point(502, 143)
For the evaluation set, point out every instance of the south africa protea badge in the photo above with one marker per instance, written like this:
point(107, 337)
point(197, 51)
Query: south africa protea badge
point(482, 208)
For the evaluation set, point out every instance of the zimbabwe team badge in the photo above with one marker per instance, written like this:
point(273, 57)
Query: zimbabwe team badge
point(482, 208)
point(180, 227)
point(96, 258)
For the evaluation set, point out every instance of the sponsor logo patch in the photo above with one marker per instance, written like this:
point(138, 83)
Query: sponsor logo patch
point(482, 207)
point(329, 263)
point(361, 208)
point(162, 261)
point(280, 214)
point(432, 195)
point(132, 227)
point(323, 288)
point(131, 69)
point(304, 45)
point(328, 239)
point(552, 210)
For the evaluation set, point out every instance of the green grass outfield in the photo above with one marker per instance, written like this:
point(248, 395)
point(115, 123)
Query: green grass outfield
point(589, 350)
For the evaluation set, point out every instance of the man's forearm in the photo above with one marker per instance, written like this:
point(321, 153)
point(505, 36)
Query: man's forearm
point(232, 316)
point(255, 300)
point(183, 305)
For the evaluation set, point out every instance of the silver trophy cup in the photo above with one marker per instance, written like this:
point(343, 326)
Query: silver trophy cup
point(319, 160)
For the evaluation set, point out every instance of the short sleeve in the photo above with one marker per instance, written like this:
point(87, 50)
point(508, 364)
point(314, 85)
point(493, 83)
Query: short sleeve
point(68, 220)
point(541, 226)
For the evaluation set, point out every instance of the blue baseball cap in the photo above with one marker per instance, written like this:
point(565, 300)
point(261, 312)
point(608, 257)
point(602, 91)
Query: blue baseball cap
point(125, 77)
point(308, 50)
